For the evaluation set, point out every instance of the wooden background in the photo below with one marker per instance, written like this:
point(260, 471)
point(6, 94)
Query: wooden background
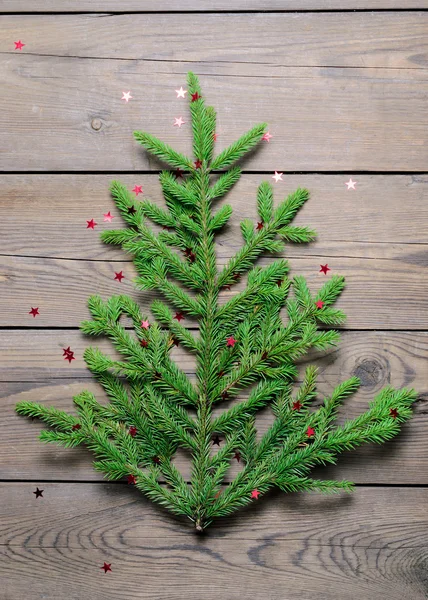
point(344, 87)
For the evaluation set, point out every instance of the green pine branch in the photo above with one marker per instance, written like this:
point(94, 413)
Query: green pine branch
point(242, 347)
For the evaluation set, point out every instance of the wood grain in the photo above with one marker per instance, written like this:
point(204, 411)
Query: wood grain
point(369, 545)
point(375, 40)
point(41, 6)
point(67, 101)
point(32, 368)
point(384, 218)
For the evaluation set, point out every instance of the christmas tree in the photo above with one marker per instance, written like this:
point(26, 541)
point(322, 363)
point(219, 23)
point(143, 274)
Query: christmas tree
point(242, 344)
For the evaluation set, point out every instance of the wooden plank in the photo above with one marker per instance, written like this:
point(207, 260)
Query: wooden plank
point(380, 294)
point(369, 545)
point(32, 368)
point(41, 6)
point(391, 40)
point(383, 218)
point(69, 108)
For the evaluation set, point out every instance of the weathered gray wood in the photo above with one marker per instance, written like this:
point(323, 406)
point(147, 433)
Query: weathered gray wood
point(40, 6)
point(370, 545)
point(384, 218)
point(380, 293)
point(325, 109)
point(32, 368)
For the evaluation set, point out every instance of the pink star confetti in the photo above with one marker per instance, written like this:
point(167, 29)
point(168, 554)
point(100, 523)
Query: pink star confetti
point(108, 217)
point(181, 93)
point(255, 494)
point(34, 312)
point(19, 45)
point(230, 342)
point(319, 303)
point(277, 177)
point(119, 276)
point(351, 184)
point(126, 96)
point(179, 122)
point(138, 189)
point(91, 224)
point(145, 324)
point(267, 136)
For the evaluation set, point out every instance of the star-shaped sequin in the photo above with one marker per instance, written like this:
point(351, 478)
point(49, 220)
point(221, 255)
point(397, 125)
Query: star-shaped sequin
point(277, 176)
point(38, 493)
point(324, 269)
point(181, 93)
point(319, 303)
point(91, 224)
point(126, 96)
point(216, 440)
point(310, 431)
point(119, 276)
point(267, 136)
point(255, 494)
point(237, 456)
point(297, 405)
point(132, 431)
point(198, 164)
point(69, 356)
point(351, 184)
point(76, 427)
point(145, 324)
point(179, 316)
point(195, 96)
point(138, 189)
point(108, 217)
point(144, 343)
point(178, 121)
point(106, 567)
point(131, 479)
point(393, 413)
point(34, 312)
point(19, 45)
point(132, 210)
point(259, 226)
point(230, 342)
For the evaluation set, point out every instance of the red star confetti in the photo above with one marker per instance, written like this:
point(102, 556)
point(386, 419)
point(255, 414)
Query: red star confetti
point(138, 189)
point(259, 226)
point(34, 312)
point(393, 413)
point(66, 351)
point(351, 184)
point(19, 45)
point(324, 269)
point(267, 136)
point(156, 460)
point(178, 122)
point(91, 224)
point(39, 493)
point(132, 431)
point(319, 303)
point(255, 494)
point(69, 356)
point(224, 395)
point(145, 324)
point(277, 176)
point(106, 567)
point(216, 440)
point(119, 276)
point(126, 96)
point(131, 479)
point(198, 164)
point(178, 173)
point(181, 93)
point(132, 210)
point(237, 456)
point(297, 405)
point(310, 432)
point(144, 343)
point(195, 97)
point(179, 316)
point(76, 427)
point(230, 342)
point(226, 287)
point(108, 217)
